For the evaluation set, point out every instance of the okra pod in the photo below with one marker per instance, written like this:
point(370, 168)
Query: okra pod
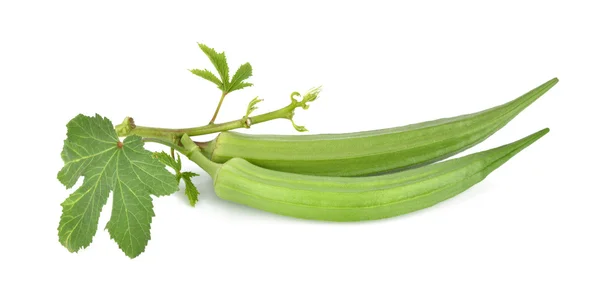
point(370, 152)
point(351, 198)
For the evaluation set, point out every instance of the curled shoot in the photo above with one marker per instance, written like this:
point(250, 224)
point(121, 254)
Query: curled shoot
point(310, 96)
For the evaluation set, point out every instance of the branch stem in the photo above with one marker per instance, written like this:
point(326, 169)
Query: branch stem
point(128, 127)
point(170, 144)
point(212, 121)
point(193, 153)
point(169, 134)
point(190, 150)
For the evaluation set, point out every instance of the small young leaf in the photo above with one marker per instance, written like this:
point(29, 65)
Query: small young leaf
point(168, 160)
point(190, 189)
point(310, 96)
point(208, 76)
point(252, 106)
point(93, 150)
point(219, 61)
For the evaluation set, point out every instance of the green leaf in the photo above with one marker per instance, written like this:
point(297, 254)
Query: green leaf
point(190, 189)
point(93, 150)
point(240, 86)
point(208, 76)
point(243, 73)
point(168, 160)
point(219, 61)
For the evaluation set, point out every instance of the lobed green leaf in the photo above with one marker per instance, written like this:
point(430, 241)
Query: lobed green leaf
point(93, 150)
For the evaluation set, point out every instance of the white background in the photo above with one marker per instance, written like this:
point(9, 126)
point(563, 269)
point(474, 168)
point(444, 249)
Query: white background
point(529, 229)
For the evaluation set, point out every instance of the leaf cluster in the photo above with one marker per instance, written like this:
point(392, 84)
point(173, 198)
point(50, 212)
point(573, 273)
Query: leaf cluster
point(224, 82)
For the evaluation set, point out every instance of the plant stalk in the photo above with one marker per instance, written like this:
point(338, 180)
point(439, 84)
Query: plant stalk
point(190, 150)
point(128, 127)
point(193, 153)
point(212, 121)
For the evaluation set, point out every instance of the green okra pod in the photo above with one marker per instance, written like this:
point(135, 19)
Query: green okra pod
point(370, 152)
point(351, 198)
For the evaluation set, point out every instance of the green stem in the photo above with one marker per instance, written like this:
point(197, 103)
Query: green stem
point(193, 153)
point(212, 121)
point(129, 128)
point(170, 144)
point(190, 150)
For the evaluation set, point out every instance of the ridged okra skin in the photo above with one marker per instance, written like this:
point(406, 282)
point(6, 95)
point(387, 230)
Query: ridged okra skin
point(370, 152)
point(354, 198)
